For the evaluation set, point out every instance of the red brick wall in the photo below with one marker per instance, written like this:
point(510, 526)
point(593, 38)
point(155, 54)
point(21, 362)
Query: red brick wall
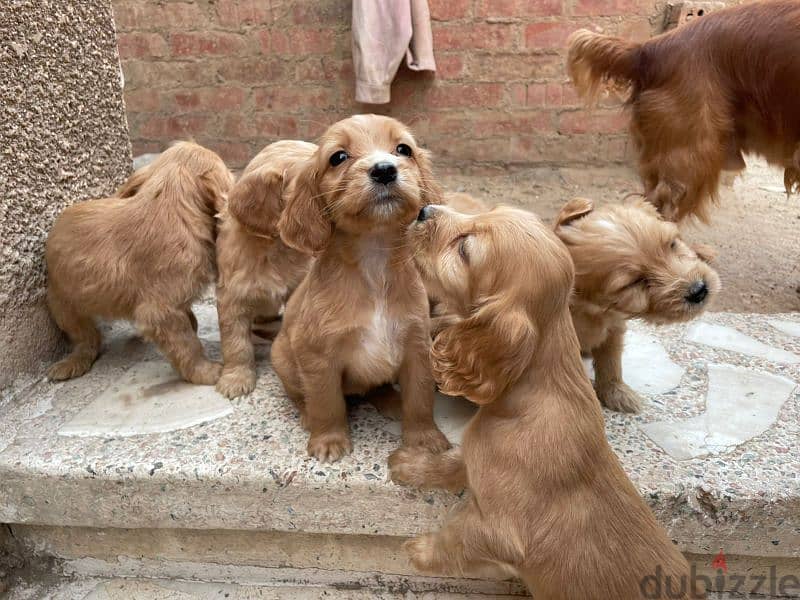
point(238, 74)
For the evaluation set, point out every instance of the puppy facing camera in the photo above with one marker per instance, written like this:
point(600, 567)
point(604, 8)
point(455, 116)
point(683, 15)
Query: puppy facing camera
point(629, 263)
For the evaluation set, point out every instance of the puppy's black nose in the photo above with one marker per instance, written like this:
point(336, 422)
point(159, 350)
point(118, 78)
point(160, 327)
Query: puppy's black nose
point(425, 213)
point(697, 292)
point(383, 172)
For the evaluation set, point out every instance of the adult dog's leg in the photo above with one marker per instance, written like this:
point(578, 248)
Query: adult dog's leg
point(171, 329)
point(82, 333)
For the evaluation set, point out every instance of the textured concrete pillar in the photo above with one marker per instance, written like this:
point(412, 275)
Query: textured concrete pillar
point(63, 138)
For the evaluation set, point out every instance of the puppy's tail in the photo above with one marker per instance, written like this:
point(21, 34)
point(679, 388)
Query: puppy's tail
point(595, 61)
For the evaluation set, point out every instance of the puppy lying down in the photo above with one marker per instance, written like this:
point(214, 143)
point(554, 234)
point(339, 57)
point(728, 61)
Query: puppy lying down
point(629, 263)
point(548, 499)
point(145, 256)
point(257, 271)
point(360, 318)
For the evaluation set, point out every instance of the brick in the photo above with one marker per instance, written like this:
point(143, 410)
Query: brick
point(609, 8)
point(238, 13)
point(297, 41)
point(141, 45)
point(449, 66)
point(513, 124)
point(261, 70)
point(292, 98)
point(235, 154)
point(167, 74)
point(547, 35)
point(564, 95)
point(276, 126)
point(218, 99)
point(173, 127)
point(460, 96)
point(536, 95)
point(142, 147)
point(204, 44)
point(323, 69)
point(467, 149)
point(151, 16)
point(449, 10)
point(505, 67)
point(471, 37)
point(516, 94)
point(238, 127)
point(591, 122)
point(519, 8)
point(321, 12)
point(141, 101)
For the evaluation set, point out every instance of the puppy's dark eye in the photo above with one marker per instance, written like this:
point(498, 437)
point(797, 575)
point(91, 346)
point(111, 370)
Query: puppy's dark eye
point(404, 150)
point(462, 248)
point(673, 244)
point(338, 158)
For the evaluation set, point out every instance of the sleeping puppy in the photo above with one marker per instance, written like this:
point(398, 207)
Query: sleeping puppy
point(145, 256)
point(549, 500)
point(257, 271)
point(629, 263)
point(360, 317)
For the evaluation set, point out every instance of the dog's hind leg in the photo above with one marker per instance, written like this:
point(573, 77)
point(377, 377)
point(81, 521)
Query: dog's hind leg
point(467, 546)
point(83, 334)
point(171, 329)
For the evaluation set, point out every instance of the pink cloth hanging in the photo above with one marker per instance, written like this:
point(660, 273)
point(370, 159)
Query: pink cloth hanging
point(383, 32)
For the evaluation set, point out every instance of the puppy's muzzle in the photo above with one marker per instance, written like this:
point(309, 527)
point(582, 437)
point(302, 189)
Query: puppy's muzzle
point(383, 172)
point(697, 292)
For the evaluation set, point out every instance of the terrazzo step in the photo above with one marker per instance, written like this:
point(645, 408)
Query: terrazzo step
point(91, 467)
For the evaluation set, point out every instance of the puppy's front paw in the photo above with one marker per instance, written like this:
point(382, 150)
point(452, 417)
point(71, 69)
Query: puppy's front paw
point(619, 397)
point(205, 373)
point(407, 464)
point(236, 382)
point(329, 447)
point(421, 553)
point(68, 368)
point(429, 438)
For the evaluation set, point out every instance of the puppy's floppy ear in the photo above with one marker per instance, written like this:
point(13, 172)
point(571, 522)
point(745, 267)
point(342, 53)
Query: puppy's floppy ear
point(431, 190)
point(572, 210)
point(304, 224)
point(482, 356)
point(256, 201)
point(133, 183)
point(704, 252)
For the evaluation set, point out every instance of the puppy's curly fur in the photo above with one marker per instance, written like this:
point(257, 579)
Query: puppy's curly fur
point(257, 271)
point(701, 95)
point(144, 255)
point(360, 317)
point(549, 499)
point(629, 263)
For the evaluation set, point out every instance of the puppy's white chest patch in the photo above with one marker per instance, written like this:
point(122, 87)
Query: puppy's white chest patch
point(382, 340)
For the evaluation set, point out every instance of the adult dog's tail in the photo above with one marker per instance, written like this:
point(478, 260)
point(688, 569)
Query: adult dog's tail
point(597, 60)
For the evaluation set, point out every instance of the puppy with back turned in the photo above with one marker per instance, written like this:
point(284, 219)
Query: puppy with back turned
point(701, 95)
point(549, 500)
point(144, 255)
point(257, 271)
point(629, 263)
point(360, 317)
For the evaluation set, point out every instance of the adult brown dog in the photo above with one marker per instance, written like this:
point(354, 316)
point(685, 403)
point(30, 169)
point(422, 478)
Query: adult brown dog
point(549, 499)
point(701, 95)
point(144, 255)
point(360, 317)
point(257, 271)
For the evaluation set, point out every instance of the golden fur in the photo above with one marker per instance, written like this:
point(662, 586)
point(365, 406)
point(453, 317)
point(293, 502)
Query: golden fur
point(144, 256)
point(548, 499)
point(701, 95)
point(629, 263)
point(257, 271)
point(360, 317)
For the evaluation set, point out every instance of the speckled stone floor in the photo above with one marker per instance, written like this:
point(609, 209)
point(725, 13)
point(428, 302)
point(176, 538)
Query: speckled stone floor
point(715, 452)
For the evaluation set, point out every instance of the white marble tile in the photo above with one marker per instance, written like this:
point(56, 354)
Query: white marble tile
point(149, 398)
point(791, 328)
point(728, 338)
point(646, 366)
point(740, 405)
point(450, 413)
